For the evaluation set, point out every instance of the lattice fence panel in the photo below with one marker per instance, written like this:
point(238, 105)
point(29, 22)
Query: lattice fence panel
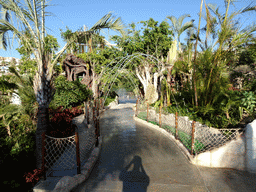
point(60, 153)
point(205, 138)
point(211, 138)
point(86, 141)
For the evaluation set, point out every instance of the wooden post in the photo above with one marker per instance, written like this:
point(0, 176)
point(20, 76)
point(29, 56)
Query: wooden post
point(192, 137)
point(98, 119)
point(93, 114)
point(102, 103)
point(98, 107)
point(88, 113)
point(176, 125)
point(78, 154)
point(160, 112)
point(84, 109)
point(147, 111)
point(136, 112)
point(43, 156)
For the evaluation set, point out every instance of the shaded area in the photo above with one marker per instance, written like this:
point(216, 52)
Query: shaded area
point(126, 101)
point(134, 156)
point(227, 179)
point(135, 180)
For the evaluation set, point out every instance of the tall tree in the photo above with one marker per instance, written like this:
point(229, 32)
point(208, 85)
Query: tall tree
point(29, 16)
point(155, 40)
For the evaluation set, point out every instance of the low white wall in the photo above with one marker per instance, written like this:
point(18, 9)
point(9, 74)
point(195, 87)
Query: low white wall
point(230, 155)
point(238, 154)
point(250, 146)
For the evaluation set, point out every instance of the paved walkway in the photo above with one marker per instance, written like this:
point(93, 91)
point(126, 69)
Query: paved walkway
point(138, 159)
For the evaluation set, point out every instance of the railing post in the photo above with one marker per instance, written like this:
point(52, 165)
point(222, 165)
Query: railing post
point(88, 113)
point(78, 154)
point(84, 109)
point(98, 119)
point(160, 112)
point(147, 111)
point(176, 125)
point(102, 103)
point(93, 114)
point(43, 156)
point(98, 107)
point(136, 112)
point(192, 137)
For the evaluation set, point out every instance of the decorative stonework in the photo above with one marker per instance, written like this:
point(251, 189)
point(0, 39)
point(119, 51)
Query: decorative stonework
point(73, 65)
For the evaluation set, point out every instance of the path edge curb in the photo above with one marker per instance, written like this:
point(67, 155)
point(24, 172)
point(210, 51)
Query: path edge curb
point(68, 183)
point(177, 142)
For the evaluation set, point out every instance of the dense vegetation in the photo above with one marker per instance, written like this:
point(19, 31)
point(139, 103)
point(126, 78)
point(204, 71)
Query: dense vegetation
point(214, 85)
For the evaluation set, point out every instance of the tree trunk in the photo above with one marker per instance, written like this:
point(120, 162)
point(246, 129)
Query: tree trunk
point(42, 125)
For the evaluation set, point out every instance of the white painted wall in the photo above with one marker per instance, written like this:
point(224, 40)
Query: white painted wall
point(238, 154)
point(230, 155)
point(250, 146)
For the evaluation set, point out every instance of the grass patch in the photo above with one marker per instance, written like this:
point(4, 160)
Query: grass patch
point(142, 115)
point(184, 138)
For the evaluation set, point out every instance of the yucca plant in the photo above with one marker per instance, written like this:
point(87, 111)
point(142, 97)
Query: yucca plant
point(29, 16)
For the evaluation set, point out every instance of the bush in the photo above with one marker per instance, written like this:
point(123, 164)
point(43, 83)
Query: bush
point(108, 101)
point(69, 93)
point(34, 177)
point(61, 121)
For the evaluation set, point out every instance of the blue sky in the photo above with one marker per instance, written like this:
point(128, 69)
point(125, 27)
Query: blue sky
point(76, 13)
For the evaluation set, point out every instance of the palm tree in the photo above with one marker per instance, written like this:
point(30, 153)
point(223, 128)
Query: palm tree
point(178, 28)
point(92, 36)
point(30, 16)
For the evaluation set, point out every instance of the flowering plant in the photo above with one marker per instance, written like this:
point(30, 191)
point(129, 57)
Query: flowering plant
point(34, 177)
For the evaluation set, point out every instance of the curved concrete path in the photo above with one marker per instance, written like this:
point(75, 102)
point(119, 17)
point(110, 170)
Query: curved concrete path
point(137, 158)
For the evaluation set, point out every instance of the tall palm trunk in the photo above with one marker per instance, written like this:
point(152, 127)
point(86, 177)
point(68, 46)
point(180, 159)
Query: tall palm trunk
point(42, 126)
point(44, 94)
point(194, 71)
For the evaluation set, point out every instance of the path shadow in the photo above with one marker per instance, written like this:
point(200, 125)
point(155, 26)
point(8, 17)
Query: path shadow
point(136, 180)
point(125, 101)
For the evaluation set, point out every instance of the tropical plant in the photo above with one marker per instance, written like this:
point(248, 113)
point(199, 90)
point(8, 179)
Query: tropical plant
point(20, 120)
point(19, 18)
point(248, 101)
point(69, 93)
point(91, 36)
point(153, 40)
point(178, 28)
point(61, 121)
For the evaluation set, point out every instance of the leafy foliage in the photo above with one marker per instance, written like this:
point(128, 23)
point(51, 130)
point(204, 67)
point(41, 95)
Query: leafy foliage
point(155, 39)
point(69, 93)
point(249, 101)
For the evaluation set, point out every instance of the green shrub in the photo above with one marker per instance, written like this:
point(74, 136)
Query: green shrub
point(108, 101)
point(69, 93)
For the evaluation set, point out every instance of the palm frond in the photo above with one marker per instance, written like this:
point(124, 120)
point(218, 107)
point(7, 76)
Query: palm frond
point(186, 26)
point(181, 18)
point(108, 22)
point(174, 22)
point(248, 8)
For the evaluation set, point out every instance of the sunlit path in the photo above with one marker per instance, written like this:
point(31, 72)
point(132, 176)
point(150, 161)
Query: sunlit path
point(136, 158)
